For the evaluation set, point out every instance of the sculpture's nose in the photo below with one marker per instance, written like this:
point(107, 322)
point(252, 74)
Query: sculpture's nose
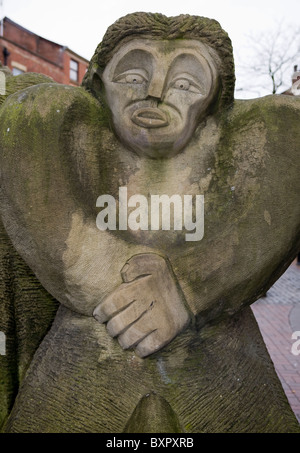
point(156, 86)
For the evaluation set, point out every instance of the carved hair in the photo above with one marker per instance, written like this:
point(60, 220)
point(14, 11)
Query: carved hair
point(158, 26)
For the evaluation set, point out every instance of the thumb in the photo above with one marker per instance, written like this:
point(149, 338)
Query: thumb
point(141, 265)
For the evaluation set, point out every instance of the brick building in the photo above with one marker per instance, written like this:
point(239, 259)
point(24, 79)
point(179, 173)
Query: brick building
point(295, 88)
point(24, 51)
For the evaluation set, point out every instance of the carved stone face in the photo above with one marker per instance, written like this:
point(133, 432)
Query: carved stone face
point(158, 91)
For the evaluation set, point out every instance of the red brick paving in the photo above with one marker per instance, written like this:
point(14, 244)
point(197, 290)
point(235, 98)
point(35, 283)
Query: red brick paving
point(274, 315)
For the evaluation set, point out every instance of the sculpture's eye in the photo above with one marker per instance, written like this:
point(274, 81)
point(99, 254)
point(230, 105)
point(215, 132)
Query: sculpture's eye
point(185, 84)
point(132, 77)
point(182, 84)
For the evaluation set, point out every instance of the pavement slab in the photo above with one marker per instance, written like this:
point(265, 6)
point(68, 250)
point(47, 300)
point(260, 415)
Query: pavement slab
point(278, 317)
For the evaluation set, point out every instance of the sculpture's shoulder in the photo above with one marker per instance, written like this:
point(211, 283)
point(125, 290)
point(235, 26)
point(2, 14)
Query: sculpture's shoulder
point(278, 114)
point(12, 84)
point(38, 95)
point(263, 130)
point(40, 119)
point(267, 105)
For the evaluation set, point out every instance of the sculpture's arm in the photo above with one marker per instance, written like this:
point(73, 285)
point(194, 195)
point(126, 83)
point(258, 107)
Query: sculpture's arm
point(18, 290)
point(252, 209)
point(46, 211)
point(252, 212)
point(51, 161)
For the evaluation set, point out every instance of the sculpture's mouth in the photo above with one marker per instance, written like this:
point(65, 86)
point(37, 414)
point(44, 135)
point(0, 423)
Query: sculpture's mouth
point(150, 117)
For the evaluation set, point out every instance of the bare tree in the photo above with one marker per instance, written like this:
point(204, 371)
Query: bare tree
point(270, 60)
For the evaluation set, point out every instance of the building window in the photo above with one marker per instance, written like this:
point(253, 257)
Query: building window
point(74, 70)
point(18, 68)
point(17, 71)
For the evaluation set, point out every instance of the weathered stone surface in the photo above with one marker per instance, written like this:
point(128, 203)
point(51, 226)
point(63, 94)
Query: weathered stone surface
point(26, 309)
point(152, 415)
point(58, 155)
point(14, 84)
point(80, 380)
point(26, 314)
point(238, 169)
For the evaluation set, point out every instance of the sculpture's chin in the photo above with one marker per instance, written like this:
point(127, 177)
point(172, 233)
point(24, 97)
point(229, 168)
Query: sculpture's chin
point(154, 142)
point(152, 132)
point(156, 151)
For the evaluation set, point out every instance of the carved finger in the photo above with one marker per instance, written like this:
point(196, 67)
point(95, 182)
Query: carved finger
point(150, 344)
point(142, 264)
point(134, 334)
point(118, 300)
point(128, 316)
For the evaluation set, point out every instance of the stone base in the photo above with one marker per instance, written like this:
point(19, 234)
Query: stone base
point(81, 381)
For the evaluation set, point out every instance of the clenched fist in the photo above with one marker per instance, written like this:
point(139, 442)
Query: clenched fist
point(148, 309)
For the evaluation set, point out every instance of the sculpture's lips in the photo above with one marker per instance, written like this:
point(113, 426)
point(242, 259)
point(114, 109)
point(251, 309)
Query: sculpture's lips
point(150, 117)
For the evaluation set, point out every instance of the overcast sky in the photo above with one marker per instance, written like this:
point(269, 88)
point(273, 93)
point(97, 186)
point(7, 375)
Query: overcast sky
point(80, 24)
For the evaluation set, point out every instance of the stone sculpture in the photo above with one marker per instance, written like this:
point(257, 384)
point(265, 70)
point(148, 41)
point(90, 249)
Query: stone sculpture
point(84, 174)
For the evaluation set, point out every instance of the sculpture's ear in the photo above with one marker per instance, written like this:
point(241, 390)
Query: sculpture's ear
point(96, 88)
point(215, 105)
point(97, 85)
point(92, 82)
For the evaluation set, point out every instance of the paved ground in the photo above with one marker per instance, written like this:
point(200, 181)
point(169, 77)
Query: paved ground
point(278, 316)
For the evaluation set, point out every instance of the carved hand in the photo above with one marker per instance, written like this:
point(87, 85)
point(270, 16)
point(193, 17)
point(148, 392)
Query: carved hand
point(148, 309)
